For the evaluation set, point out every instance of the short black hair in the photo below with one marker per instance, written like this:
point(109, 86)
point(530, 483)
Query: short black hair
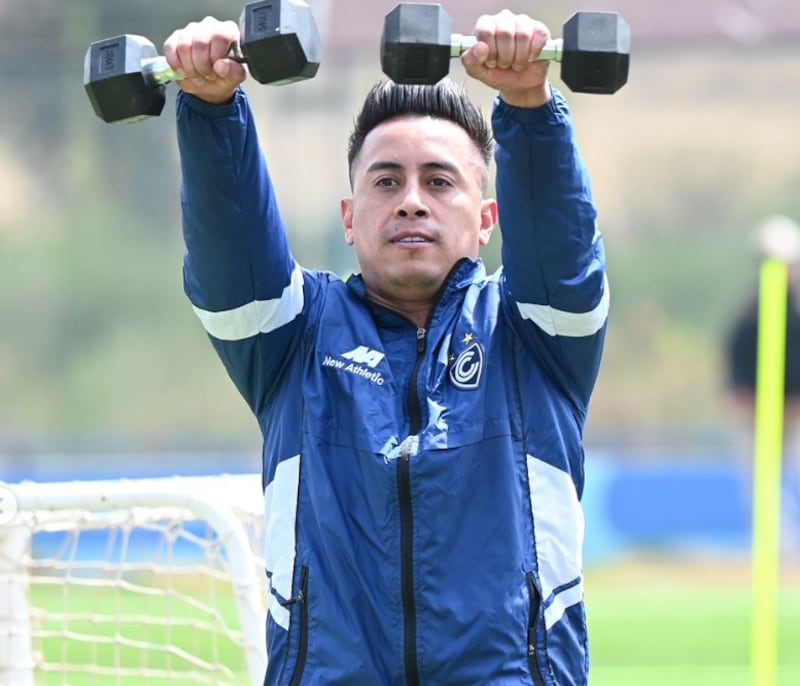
point(444, 100)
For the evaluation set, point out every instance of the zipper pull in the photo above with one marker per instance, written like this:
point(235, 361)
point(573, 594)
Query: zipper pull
point(299, 598)
point(408, 447)
point(421, 332)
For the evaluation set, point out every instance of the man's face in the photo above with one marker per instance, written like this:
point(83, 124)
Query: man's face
point(417, 207)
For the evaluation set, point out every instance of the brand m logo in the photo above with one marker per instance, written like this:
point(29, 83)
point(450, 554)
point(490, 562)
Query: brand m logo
point(364, 355)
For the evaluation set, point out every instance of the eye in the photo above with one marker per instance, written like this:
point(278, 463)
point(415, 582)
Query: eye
point(386, 182)
point(440, 182)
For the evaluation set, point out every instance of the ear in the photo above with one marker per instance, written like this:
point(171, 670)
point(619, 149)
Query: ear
point(488, 220)
point(346, 206)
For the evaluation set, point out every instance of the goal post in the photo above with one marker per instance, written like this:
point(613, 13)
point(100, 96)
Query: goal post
point(15, 637)
point(157, 581)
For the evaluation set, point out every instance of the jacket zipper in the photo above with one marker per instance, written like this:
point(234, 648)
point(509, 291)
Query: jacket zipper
point(302, 648)
point(414, 405)
point(407, 520)
point(533, 657)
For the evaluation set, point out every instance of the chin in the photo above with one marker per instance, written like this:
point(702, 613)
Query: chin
point(417, 279)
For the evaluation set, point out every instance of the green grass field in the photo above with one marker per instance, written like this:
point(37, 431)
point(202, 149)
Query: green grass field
point(650, 625)
point(687, 624)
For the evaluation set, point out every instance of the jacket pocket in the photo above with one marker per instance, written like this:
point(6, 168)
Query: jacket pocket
point(301, 600)
point(534, 612)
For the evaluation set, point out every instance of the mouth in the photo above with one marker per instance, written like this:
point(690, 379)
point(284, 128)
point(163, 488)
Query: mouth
point(407, 238)
point(412, 239)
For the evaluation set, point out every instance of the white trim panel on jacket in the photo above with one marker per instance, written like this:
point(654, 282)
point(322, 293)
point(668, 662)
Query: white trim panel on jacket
point(258, 316)
point(280, 514)
point(573, 324)
point(558, 527)
point(565, 599)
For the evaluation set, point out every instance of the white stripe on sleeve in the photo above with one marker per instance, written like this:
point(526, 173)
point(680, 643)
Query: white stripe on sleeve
point(258, 316)
point(573, 324)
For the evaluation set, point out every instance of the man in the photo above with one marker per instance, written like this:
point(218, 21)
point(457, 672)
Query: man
point(422, 422)
point(776, 237)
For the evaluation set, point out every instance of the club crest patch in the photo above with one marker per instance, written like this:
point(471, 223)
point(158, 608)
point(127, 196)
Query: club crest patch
point(466, 371)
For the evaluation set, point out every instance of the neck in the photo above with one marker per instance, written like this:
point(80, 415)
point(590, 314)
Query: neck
point(416, 312)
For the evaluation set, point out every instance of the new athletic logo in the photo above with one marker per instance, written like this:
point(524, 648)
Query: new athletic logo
point(466, 371)
point(363, 355)
point(362, 362)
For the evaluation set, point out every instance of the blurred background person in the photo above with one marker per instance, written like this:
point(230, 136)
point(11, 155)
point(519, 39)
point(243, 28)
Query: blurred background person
point(776, 237)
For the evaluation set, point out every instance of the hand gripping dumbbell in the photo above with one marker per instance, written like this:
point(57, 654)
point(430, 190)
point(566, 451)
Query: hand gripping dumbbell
point(124, 76)
point(417, 44)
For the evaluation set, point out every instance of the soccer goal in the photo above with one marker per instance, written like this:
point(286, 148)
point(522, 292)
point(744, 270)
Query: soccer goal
point(156, 581)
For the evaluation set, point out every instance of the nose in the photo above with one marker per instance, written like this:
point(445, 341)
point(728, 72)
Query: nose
point(411, 203)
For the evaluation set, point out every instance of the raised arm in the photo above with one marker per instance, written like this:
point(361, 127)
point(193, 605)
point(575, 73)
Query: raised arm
point(553, 259)
point(238, 271)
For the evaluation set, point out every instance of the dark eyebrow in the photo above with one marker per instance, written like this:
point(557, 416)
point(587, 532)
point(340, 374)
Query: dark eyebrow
point(443, 166)
point(383, 165)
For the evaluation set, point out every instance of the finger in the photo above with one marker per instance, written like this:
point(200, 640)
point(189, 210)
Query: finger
point(524, 30)
point(474, 60)
point(201, 51)
point(484, 31)
point(171, 52)
point(181, 43)
point(178, 49)
point(224, 36)
point(541, 35)
point(215, 41)
point(231, 71)
point(505, 39)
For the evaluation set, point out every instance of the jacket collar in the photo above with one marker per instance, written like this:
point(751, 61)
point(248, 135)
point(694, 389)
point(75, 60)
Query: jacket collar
point(464, 273)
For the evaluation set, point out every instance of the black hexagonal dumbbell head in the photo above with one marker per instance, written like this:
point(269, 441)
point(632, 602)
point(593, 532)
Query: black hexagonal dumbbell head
point(114, 80)
point(280, 41)
point(596, 52)
point(416, 43)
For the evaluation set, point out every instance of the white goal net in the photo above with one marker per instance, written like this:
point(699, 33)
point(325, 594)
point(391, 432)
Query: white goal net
point(148, 581)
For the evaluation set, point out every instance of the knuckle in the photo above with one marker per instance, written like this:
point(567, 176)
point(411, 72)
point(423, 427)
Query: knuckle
point(505, 32)
point(540, 32)
point(521, 35)
point(484, 27)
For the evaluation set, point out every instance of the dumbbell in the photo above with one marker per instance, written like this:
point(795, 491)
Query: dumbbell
point(124, 76)
point(417, 44)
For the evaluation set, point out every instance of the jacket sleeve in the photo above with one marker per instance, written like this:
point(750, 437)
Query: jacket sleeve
point(554, 285)
point(238, 272)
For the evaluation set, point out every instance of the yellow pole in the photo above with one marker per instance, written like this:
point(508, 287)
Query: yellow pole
point(768, 445)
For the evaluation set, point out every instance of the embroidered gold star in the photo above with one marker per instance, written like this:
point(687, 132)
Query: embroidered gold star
point(467, 338)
